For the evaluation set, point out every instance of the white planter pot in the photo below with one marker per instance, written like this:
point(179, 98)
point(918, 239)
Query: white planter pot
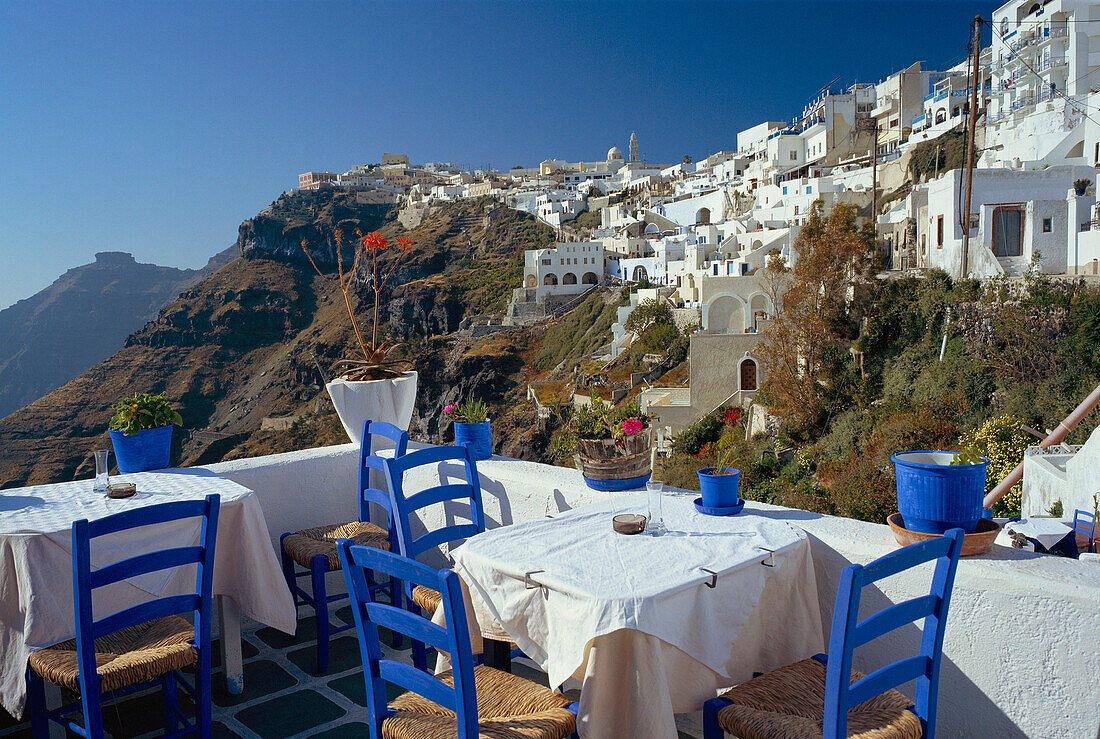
point(391, 401)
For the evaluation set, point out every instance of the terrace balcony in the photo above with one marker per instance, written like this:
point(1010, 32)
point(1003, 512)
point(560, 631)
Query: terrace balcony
point(1015, 658)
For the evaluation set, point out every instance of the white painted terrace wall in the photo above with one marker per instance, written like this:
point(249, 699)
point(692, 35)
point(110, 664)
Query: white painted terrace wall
point(1017, 660)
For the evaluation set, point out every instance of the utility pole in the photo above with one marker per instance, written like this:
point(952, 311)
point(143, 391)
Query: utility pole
point(971, 126)
point(874, 182)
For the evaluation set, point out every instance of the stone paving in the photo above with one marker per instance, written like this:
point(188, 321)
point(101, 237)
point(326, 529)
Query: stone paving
point(284, 694)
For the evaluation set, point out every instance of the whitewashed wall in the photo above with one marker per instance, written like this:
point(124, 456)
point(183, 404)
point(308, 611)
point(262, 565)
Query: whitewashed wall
point(1017, 655)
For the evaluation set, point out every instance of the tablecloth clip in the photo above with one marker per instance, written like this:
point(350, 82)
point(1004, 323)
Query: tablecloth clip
point(713, 577)
point(770, 561)
point(530, 584)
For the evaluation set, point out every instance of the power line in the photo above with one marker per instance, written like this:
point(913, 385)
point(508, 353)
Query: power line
point(1074, 104)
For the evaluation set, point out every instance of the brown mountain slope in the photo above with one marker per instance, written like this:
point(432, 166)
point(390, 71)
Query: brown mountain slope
point(239, 346)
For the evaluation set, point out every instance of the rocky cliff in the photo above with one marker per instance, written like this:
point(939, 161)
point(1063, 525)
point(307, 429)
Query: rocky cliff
point(245, 344)
point(81, 319)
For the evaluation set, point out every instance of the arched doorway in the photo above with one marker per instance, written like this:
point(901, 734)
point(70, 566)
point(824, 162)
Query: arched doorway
point(550, 280)
point(590, 278)
point(725, 316)
point(569, 279)
point(702, 217)
point(747, 375)
point(640, 274)
point(531, 281)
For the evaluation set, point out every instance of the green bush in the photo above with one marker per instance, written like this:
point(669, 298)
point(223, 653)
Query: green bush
point(707, 429)
point(659, 337)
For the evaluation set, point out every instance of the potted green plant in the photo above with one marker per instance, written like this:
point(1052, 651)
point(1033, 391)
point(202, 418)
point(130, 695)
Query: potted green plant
point(141, 432)
point(1081, 185)
point(939, 490)
point(718, 485)
point(472, 426)
point(613, 445)
point(372, 384)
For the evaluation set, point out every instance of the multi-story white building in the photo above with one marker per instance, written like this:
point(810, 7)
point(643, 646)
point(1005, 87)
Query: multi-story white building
point(568, 268)
point(1043, 66)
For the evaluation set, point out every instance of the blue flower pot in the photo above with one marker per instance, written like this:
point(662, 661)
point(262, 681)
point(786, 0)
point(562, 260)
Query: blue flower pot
point(719, 491)
point(478, 435)
point(614, 486)
point(150, 449)
point(935, 495)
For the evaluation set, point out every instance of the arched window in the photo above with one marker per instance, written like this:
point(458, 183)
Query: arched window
point(1004, 27)
point(531, 281)
point(569, 279)
point(550, 280)
point(941, 116)
point(748, 374)
point(589, 278)
point(702, 216)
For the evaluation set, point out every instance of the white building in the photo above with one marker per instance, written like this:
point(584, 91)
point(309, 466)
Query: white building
point(567, 268)
point(1017, 218)
point(1043, 67)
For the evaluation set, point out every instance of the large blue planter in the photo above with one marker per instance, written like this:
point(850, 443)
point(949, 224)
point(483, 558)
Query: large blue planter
point(719, 491)
point(478, 435)
point(614, 486)
point(935, 495)
point(150, 449)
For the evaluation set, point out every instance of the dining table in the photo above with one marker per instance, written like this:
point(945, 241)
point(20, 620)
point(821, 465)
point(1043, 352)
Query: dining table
point(651, 626)
point(36, 580)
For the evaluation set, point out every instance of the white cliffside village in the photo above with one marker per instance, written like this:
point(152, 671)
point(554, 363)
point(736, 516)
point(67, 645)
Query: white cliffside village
point(697, 233)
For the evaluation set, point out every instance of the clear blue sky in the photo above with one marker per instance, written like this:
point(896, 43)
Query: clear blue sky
point(157, 127)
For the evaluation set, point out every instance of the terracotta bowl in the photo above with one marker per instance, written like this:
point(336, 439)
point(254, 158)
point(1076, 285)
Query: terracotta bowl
point(980, 542)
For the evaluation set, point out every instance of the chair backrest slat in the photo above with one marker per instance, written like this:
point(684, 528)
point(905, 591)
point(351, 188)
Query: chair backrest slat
point(168, 605)
point(368, 461)
point(418, 682)
point(892, 618)
point(437, 494)
point(146, 516)
point(403, 506)
point(446, 534)
point(884, 678)
point(145, 563)
point(398, 619)
point(369, 616)
point(846, 634)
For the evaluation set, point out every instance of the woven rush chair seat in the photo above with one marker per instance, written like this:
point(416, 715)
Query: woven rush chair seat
point(427, 599)
point(507, 706)
point(790, 702)
point(304, 545)
point(126, 657)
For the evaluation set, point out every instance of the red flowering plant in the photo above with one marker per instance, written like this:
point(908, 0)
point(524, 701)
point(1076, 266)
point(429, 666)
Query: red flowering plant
point(374, 359)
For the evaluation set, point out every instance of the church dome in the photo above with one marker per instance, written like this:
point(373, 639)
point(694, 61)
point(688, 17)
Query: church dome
point(613, 153)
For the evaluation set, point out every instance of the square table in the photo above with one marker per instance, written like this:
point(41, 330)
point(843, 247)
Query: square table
point(36, 588)
point(1045, 533)
point(652, 626)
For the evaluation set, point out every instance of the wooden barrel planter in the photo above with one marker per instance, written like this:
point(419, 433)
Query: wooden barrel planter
point(609, 466)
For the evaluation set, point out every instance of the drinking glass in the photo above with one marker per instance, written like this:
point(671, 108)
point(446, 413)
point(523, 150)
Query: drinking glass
point(655, 524)
point(102, 479)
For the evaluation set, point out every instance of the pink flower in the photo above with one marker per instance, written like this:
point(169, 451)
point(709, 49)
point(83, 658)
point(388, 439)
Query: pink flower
point(631, 426)
point(449, 409)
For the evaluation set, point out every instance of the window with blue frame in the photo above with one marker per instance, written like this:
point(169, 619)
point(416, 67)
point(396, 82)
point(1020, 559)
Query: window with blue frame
point(784, 190)
point(809, 189)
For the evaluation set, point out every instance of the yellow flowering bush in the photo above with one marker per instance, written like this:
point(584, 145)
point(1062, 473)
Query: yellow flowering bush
point(1001, 440)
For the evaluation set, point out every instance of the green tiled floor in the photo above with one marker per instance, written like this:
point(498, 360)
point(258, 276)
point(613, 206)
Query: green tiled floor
point(284, 695)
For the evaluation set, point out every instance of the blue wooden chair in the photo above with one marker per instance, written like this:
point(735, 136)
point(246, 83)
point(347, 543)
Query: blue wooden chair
point(823, 696)
point(136, 647)
point(475, 700)
point(315, 548)
point(425, 598)
point(1084, 527)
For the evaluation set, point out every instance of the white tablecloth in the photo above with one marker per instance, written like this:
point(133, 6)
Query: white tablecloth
point(36, 594)
point(632, 616)
point(1046, 531)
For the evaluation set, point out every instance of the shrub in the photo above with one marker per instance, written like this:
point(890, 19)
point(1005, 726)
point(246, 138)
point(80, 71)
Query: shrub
point(659, 337)
point(143, 412)
point(1001, 440)
point(691, 440)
